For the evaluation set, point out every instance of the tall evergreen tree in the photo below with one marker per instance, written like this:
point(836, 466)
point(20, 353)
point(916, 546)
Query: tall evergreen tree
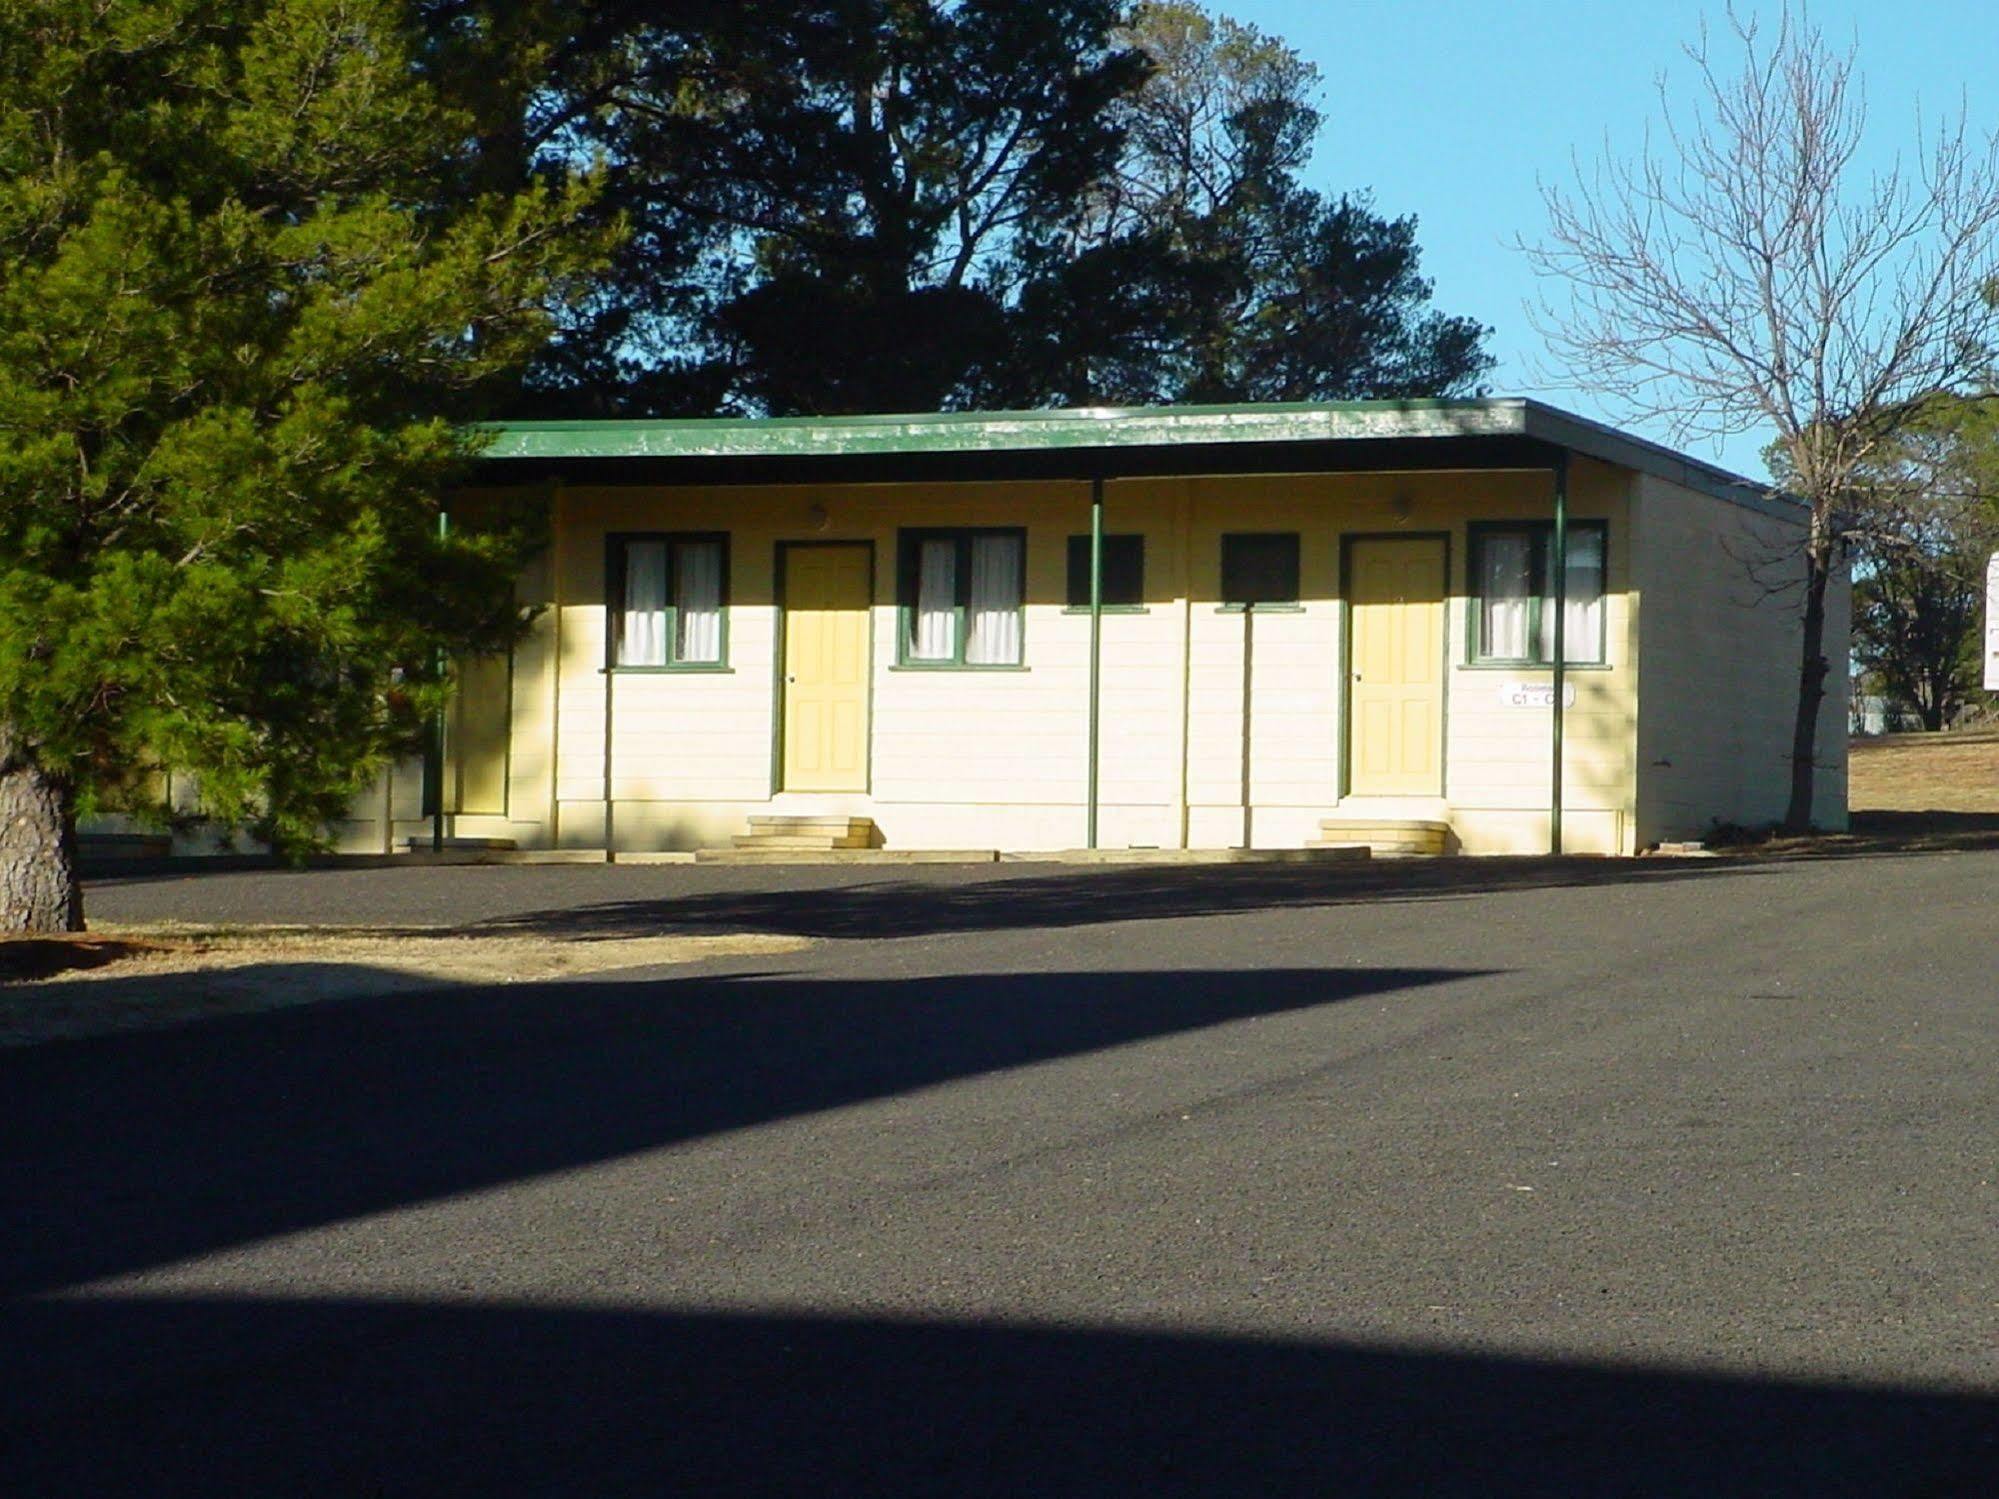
point(1259, 288)
point(1923, 519)
point(255, 270)
point(853, 205)
point(826, 197)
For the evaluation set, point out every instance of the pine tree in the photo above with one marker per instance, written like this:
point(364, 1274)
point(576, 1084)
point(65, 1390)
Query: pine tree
point(254, 277)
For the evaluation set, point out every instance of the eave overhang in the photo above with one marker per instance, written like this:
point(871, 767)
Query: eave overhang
point(1089, 443)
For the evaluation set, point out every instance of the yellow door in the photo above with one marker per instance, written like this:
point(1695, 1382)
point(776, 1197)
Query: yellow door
point(826, 603)
point(478, 729)
point(1395, 700)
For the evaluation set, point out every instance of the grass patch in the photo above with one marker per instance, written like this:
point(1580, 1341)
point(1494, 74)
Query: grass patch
point(1939, 773)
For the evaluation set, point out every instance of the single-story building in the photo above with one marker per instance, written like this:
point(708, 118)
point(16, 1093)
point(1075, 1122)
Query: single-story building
point(1178, 627)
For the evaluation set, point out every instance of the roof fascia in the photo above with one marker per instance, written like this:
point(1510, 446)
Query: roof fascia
point(1190, 460)
point(1594, 440)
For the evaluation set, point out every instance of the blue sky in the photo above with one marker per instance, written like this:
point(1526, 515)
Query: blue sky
point(1448, 111)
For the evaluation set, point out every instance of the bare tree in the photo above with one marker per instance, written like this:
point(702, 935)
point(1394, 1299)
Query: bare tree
point(1749, 272)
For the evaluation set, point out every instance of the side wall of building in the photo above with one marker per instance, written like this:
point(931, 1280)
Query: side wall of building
point(1720, 601)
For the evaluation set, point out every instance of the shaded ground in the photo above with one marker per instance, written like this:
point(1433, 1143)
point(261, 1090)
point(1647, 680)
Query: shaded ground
point(1911, 794)
point(59, 988)
point(28, 958)
point(1678, 1181)
point(627, 1402)
point(600, 901)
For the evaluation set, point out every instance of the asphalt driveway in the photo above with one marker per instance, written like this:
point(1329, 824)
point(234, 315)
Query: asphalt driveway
point(1523, 1178)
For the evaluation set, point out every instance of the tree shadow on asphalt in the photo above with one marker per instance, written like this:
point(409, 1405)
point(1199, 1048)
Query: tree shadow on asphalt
point(833, 901)
point(1887, 833)
point(130, 1151)
point(243, 1396)
point(1085, 897)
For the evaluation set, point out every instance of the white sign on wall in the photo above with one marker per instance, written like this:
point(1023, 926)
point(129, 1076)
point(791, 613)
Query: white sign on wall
point(1992, 624)
point(1535, 694)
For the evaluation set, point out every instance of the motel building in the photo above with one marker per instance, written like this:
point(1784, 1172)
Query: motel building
point(1480, 626)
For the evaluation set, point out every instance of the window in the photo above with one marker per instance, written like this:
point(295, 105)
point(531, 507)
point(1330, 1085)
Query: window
point(669, 599)
point(961, 597)
point(1260, 570)
point(1124, 572)
point(1513, 610)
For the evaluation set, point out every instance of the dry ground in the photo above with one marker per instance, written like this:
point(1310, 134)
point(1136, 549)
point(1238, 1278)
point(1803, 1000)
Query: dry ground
point(118, 978)
point(1956, 772)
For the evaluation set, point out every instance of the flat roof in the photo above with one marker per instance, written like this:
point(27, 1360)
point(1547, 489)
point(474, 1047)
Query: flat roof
point(1496, 427)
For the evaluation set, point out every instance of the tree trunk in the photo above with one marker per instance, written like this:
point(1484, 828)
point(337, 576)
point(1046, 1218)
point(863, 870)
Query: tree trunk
point(38, 885)
point(1811, 692)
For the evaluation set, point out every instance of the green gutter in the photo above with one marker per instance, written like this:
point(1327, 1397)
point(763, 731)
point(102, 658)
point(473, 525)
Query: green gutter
point(999, 431)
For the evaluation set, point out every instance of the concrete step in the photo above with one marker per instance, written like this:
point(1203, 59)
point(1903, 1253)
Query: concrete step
point(1318, 853)
point(823, 832)
point(778, 822)
point(762, 839)
point(1386, 835)
point(847, 856)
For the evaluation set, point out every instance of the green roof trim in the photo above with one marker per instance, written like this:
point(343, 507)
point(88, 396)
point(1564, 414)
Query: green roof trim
point(1104, 429)
point(993, 431)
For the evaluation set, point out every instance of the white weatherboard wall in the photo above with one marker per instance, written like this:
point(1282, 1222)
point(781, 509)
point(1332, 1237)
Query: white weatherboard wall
point(1499, 758)
point(998, 758)
point(1720, 599)
point(1685, 724)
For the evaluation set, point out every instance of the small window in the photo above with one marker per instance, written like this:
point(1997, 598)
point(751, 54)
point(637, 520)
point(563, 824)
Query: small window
point(1124, 572)
point(669, 601)
point(1260, 569)
point(1513, 609)
point(961, 597)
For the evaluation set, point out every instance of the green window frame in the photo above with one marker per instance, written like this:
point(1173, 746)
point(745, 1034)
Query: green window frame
point(1261, 570)
point(922, 621)
point(1124, 574)
point(1515, 628)
point(675, 640)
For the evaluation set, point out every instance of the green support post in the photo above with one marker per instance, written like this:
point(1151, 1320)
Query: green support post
point(1096, 643)
point(437, 726)
point(1559, 564)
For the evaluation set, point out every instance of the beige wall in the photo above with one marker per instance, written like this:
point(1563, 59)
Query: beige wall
point(985, 759)
point(1720, 596)
point(997, 759)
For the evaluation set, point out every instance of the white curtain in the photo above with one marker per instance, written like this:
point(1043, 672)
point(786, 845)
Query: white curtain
point(1505, 589)
point(936, 625)
point(699, 604)
point(1583, 627)
point(642, 631)
point(992, 632)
